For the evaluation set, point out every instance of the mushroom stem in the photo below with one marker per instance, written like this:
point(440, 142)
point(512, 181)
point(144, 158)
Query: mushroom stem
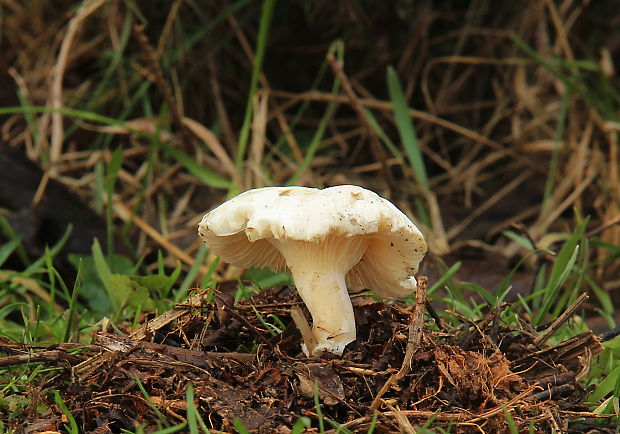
point(326, 297)
point(319, 269)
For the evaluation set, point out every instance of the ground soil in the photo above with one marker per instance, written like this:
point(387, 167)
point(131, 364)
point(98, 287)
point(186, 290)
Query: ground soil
point(465, 376)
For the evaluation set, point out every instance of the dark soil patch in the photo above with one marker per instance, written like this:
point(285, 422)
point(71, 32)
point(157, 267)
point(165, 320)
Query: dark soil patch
point(465, 378)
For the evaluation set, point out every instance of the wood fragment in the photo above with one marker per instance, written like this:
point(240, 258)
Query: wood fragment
point(567, 353)
point(403, 422)
point(52, 356)
point(552, 392)
point(306, 332)
point(116, 343)
point(181, 309)
point(415, 335)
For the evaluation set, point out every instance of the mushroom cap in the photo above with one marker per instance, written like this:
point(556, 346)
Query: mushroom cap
point(241, 231)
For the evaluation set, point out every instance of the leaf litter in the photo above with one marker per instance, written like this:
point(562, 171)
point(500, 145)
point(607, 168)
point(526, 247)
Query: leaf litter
point(466, 376)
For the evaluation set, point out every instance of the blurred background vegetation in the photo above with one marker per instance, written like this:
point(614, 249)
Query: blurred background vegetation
point(494, 125)
point(470, 116)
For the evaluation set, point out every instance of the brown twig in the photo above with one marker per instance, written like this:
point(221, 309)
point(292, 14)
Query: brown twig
point(86, 9)
point(125, 214)
point(306, 331)
point(413, 342)
point(559, 321)
point(181, 309)
point(603, 227)
point(251, 328)
point(52, 356)
point(433, 313)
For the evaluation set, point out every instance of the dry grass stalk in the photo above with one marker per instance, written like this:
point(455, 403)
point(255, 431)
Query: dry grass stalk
point(86, 9)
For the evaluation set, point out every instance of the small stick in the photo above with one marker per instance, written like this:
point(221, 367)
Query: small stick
point(413, 342)
point(415, 328)
point(552, 392)
point(433, 313)
point(603, 227)
point(561, 319)
point(52, 356)
point(557, 379)
point(306, 332)
point(611, 333)
point(181, 309)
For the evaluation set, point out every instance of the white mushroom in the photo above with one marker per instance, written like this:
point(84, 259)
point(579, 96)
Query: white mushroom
point(330, 239)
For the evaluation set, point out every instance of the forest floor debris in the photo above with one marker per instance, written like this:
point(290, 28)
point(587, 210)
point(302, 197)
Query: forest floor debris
point(243, 364)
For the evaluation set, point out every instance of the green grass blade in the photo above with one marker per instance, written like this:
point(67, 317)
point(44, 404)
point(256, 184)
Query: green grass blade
point(105, 275)
point(443, 279)
point(5, 226)
point(36, 265)
point(430, 420)
point(240, 427)
point(206, 176)
point(261, 46)
point(30, 121)
point(512, 426)
point(73, 428)
point(604, 299)
point(110, 181)
point(337, 427)
point(99, 170)
point(552, 290)
point(80, 114)
point(12, 307)
point(317, 406)
point(148, 399)
point(208, 279)
point(103, 270)
point(607, 385)
point(574, 83)
point(490, 298)
point(300, 425)
point(382, 135)
point(562, 267)
point(199, 36)
point(105, 83)
point(73, 302)
point(191, 412)
point(7, 248)
point(519, 239)
point(298, 115)
point(117, 56)
point(373, 423)
point(171, 429)
point(504, 287)
point(406, 129)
